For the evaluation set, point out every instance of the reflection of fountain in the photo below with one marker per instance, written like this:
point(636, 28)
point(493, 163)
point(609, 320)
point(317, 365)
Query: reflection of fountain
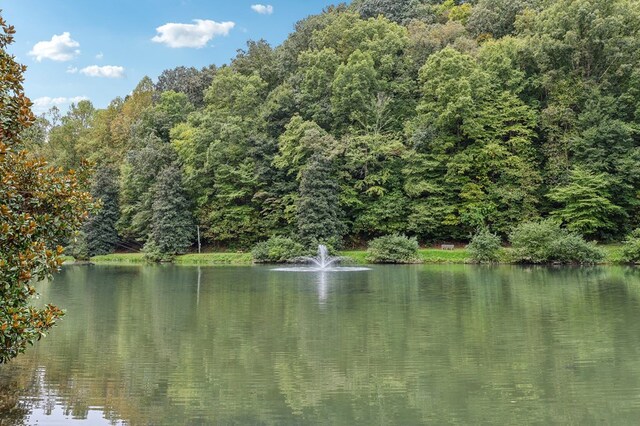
point(323, 288)
point(322, 263)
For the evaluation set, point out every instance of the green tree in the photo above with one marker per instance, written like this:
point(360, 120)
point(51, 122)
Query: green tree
point(497, 17)
point(171, 109)
point(259, 58)
point(316, 72)
point(585, 203)
point(318, 214)
point(40, 207)
point(172, 226)
point(138, 175)
point(100, 231)
point(190, 81)
point(64, 142)
point(401, 11)
point(354, 91)
point(475, 136)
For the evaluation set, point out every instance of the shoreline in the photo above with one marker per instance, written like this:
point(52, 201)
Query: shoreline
point(358, 257)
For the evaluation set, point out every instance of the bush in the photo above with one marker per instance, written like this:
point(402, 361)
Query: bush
point(484, 247)
point(546, 242)
point(572, 248)
point(393, 249)
point(277, 250)
point(630, 252)
point(78, 248)
point(152, 253)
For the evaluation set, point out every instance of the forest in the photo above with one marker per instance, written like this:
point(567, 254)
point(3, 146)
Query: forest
point(420, 117)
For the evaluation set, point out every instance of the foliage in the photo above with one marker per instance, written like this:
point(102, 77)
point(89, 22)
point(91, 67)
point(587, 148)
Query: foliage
point(586, 203)
point(630, 252)
point(40, 207)
point(189, 81)
point(393, 248)
point(497, 17)
point(138, 175)
point(398, 11)
point(484, 247)
point(101, 235)
point(172, 227)
point(318, 213)
point(78, 247)
point(433, 118)
point(277, 250)
point(546, 242)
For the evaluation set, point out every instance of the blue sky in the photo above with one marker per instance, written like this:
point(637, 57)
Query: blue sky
point(98, 50)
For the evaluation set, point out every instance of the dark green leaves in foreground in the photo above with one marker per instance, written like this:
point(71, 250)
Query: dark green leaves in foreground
point(40, 208)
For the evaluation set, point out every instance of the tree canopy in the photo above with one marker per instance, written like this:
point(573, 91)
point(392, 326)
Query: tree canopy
point(421, 117)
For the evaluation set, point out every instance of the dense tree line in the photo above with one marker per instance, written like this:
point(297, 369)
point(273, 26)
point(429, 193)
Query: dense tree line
point(422, 117)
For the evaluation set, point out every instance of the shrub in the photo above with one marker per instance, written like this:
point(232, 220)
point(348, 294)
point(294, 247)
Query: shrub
point(572, 248)
point(531, 241)
point(546, 242)
point(393, 249)
point(78, 248)
point(277, 250)
point(484, 247)
point(152, 253)
point(630, 252)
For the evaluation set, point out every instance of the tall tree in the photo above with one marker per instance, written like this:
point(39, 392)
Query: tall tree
point(100, 229)
point(139, 173)
point(172, 227)
point(318, 213)
point(585, 203)
point(190, 81)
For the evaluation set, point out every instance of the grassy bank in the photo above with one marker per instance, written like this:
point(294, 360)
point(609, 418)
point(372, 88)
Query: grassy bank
point(358, 257)
point(427, 255)
point(231, 258)
point(187, 259)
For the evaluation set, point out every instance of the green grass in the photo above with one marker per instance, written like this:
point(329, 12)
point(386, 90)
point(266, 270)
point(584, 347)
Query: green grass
point(444, 256)
point(230, 258)
point(215, 259)
point(187, 259)
point(120, 258)
point(359, 257)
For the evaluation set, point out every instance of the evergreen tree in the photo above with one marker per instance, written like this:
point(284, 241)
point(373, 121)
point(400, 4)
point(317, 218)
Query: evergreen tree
point(172, 226)
point(319, 217)
point(100, 229)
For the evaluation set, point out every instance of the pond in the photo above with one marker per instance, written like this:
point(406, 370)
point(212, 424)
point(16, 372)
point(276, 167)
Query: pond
point(436, 344)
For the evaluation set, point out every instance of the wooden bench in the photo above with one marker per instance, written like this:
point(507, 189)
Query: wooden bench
point(447, 246)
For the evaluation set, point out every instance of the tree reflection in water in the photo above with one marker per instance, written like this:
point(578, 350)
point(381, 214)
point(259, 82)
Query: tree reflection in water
point(416, 344)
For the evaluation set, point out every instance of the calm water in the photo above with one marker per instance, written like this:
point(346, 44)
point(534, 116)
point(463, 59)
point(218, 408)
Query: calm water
point(394, 345)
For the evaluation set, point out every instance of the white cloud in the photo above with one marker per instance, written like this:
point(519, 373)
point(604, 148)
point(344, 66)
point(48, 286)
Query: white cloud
point(191, 35)
point(100, 56)
point(72, 70)
point(43, 104)
point(106, 71)
point(262, 9)
point(60, 48)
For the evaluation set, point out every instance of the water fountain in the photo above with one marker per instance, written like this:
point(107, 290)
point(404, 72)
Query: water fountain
point(323, 262)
